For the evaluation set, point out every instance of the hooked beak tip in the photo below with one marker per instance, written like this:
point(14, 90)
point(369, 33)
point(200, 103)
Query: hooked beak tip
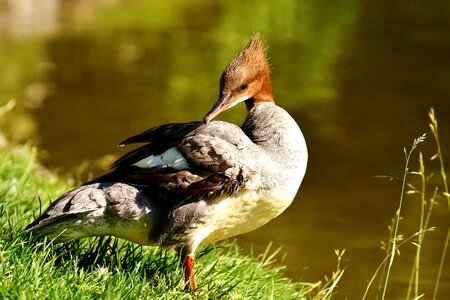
point(210, 115)
point(220, 106)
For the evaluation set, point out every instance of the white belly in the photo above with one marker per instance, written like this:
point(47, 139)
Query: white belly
point(244, 212)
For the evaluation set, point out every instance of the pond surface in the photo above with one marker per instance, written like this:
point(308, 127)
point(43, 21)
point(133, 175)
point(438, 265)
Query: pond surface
point(358, 78)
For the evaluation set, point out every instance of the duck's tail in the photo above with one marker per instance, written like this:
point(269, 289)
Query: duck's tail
point(99, 209)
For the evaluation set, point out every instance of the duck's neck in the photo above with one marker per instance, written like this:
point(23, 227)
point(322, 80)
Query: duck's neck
point(264, 95)
point(263, 119)
point(277, 137)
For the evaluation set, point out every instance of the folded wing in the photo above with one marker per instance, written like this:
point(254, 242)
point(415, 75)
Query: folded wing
point(186, 160)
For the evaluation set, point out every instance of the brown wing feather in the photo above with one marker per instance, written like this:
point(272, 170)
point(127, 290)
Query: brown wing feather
point(216, 153)
point(174, 187)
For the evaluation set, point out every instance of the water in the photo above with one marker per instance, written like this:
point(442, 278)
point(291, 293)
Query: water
point(358, 77)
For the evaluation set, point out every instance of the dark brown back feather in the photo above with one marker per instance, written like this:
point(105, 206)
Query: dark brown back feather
point(215, 153)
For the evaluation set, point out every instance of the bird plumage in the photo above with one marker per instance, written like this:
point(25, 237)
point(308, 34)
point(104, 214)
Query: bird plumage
point(195, 182)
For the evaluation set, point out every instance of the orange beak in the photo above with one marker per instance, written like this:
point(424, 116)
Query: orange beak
point(225, 102)
point(221, 105)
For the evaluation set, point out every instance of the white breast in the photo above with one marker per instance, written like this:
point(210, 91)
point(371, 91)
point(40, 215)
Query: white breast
point(246, 211)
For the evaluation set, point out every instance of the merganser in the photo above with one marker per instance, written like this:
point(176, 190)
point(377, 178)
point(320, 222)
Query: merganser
point(198, 182)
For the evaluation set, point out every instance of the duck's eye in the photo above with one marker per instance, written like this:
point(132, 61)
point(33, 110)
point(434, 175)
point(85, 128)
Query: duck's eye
point(243, 86)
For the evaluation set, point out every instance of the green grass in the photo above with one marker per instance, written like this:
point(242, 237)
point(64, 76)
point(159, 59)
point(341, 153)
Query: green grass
point(428, 201)
point(109, 268)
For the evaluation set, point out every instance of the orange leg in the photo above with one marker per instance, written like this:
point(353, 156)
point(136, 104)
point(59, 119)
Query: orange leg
point(189, 274)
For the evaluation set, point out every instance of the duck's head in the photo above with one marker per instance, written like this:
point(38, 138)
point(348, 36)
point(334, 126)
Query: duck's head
point(246, 78)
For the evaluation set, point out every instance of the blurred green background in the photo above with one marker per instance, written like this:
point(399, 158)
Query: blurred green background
point(358, 76)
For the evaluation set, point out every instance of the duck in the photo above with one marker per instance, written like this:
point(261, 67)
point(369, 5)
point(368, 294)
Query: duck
point(194, 183)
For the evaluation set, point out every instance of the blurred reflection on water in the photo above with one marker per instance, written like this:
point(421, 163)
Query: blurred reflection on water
point(358, 78)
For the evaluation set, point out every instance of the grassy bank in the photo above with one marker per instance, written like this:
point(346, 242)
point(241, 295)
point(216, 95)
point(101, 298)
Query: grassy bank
point(109, 268)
